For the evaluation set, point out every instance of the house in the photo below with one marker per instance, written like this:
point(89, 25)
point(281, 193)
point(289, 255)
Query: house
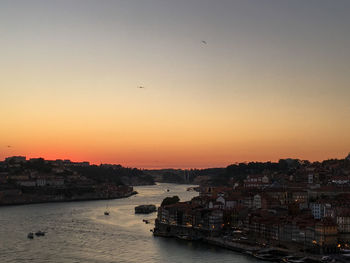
point(310, 178)
point(215, 219)
point(279, 194)
point(55, 181)
point(298, 196)
point(257, 201)
point(256, 181)
point(233, 199)
point(27, 183)
point(343, 222)
point(318, 209)
point(340, 179)
point(264, 201)
point(326, 235)
point(41, 181)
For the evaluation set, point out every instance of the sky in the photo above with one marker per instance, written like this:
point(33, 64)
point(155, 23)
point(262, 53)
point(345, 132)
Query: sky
point(271, 81)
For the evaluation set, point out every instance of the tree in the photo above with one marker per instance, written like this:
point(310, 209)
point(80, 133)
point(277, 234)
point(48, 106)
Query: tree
point(170, 200)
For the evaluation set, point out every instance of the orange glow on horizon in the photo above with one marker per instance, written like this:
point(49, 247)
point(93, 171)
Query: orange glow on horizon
point(271, 82)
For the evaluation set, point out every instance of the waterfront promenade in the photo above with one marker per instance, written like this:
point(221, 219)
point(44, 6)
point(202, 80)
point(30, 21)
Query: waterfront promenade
point(214, 238)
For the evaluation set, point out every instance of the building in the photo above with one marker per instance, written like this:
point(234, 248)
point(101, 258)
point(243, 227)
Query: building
point(256, 181)
point(318, 209)
point(27, 183)
point(326, 235)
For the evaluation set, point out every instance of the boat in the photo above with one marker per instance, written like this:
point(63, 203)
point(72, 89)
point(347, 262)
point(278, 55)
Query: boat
point(39, 233)
point(326, 258)
point(294, 259)
point(184, 237)
point(30, 235)
point(106, 213)
point(145, 209)
point(267, 257)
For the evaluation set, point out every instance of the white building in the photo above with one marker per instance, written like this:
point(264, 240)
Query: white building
point(310, 178)
point(27, 183)
point(318, 210)
point(343, 222)
point(257, 201)
point(40, 182)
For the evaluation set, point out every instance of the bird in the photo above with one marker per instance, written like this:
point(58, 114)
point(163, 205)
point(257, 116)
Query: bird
point(8, 146)
point(140, 87)
point(204, 42)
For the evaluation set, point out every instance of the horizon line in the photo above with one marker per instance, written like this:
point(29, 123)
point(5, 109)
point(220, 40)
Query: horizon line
point(174, 167)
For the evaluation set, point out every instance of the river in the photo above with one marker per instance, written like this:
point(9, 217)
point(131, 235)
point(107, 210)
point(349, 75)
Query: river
point(80, 232)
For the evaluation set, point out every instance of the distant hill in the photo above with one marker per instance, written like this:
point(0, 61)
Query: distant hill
point(115, 174)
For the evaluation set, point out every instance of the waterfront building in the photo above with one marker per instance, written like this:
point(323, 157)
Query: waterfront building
point(326, 235)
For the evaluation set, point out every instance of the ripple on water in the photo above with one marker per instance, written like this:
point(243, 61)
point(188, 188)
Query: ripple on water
point(79, 232)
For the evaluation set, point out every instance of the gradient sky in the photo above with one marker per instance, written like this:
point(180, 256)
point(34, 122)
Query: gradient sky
point(273, 81)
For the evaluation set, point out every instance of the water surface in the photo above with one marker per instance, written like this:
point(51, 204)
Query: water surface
point(80, 232)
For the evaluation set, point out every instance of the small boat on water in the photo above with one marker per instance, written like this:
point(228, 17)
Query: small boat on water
point(267, 257)
point(145, 209)
point(184, 237)
point(106, 213)
point(294, 259)
point(39, 233)
point(30, 235)
point(269, 254)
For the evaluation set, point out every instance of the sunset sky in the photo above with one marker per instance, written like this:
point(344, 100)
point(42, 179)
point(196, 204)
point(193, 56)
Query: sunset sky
point(271, 82)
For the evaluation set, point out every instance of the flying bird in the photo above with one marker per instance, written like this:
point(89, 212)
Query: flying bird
point(204, 42)
point(140, 87)
point(8, 146)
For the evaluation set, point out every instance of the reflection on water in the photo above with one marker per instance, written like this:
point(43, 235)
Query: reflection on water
point(80, 232)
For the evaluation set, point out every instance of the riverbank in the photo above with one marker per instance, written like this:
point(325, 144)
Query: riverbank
point(79, 232)
point(28, 200)
point(214, 238)
point(251, 250)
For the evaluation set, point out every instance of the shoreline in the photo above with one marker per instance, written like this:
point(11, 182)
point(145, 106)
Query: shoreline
point(70, 200)
point(241, 248)
point(203, 236)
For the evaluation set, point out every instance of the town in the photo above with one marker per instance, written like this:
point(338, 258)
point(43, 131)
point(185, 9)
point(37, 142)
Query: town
point(304, 208)
point(38, 180)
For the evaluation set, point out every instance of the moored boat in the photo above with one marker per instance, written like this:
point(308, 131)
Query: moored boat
point(40, 233)
point(294, 259)
point(184, 237)
point(145, 209)
point(106, 213)
point(267, 257)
